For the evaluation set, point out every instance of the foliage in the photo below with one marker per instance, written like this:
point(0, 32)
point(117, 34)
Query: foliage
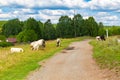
point(77, 23)
point(78, 27)
point(12, 27)
point(26, 36)
point(49, 30)
point(114, 31)
point(6, 44)
point(91, 26)
point(41, 25)
point(1, 24)
point(32, 24)
point(64, 27)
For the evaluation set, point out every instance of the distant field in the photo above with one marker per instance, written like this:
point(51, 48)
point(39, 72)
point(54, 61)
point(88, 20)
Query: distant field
point(2, 22)
point(17, 66)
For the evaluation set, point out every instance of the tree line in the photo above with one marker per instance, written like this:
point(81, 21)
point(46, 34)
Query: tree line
point(66, 27)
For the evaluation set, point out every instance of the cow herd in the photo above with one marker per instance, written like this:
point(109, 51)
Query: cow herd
point(36, 45)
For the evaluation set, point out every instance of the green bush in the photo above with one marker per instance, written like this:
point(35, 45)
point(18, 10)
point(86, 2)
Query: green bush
point(6, 44)
point(26, 36)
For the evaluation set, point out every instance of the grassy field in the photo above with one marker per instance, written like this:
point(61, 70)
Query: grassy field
point(16, 66)
point(107, 53)
point(1, 23)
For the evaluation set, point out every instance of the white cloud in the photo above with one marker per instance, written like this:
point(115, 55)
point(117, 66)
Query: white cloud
point(104, 4)
point(107, 18)
point(7, 16)
point(102, 14)
point(85, 17)
point(54, 15)
point(93, 4)
point(118, 11)
point(61, 7)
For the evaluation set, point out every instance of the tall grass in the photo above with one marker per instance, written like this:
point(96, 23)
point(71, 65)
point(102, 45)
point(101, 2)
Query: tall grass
point(16, 66)
point(107, 53)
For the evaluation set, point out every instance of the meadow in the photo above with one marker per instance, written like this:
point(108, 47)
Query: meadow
point(107, 53)
point(16, 66)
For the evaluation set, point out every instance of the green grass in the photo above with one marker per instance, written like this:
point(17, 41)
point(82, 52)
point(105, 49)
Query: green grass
point(107, 53)
point(18, 65)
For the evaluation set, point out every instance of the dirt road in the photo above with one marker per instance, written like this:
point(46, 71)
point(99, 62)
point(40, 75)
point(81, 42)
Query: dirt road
point(73, 63)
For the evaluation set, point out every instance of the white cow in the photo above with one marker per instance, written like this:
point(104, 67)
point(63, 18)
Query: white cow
point(16, 50)
point(98, 38)
point(36, 44)
point(118, 40)
point(58, 42)
point(32, 44)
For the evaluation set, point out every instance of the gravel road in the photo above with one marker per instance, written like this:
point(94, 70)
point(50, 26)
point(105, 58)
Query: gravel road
point(73, 63)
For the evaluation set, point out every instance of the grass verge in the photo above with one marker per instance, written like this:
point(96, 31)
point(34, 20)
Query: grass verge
point(107, 53)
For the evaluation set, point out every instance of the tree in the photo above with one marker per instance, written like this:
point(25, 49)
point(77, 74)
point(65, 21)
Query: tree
point(32, 24)
point(91, 26)
point(49, 30)
point(41, 28)
point(12, 27)
point(101, 29)
point(100, 25)
point(64, 27)
point(77, 22)
point(26, 36)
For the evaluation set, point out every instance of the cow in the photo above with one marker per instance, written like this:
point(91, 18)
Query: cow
point(102, 37)
point(32, 44)
point(118, 40)
point(16, 50)
point(58, 42)
point(37, 44)
point(99, 38)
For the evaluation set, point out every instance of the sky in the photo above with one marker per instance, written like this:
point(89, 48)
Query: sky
point(105, 11)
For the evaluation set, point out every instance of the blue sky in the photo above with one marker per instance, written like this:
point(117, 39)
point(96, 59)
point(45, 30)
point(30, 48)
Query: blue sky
point(105, 11)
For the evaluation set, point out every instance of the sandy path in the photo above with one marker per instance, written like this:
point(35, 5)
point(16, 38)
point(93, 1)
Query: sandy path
point(75, 64)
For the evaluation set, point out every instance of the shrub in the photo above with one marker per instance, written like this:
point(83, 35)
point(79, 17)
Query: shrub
point(26, 36)
point(6, 44)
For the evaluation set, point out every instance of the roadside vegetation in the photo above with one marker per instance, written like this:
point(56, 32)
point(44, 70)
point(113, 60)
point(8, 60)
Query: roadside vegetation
point(107, 53)
point(16, 66)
